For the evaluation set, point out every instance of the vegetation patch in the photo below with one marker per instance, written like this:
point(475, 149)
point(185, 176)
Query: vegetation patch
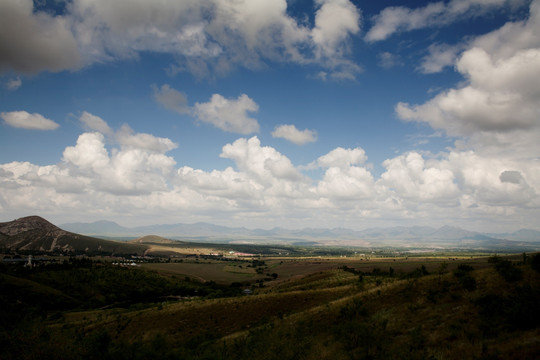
point(312, 308)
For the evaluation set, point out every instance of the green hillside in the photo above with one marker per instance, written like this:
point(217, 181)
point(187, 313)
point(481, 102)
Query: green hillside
point(85, 310)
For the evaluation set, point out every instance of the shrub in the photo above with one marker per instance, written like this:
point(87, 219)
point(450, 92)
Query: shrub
point(508, 271)
point(535, 262)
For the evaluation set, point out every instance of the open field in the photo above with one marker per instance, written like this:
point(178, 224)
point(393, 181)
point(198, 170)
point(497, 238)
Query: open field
point(334, 307)
point(220, 272)
point(288, 268)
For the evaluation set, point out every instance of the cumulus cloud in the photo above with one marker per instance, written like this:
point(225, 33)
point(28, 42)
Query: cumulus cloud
point(126, 172)
point(35, 41)
point(344, 180)
point(147, 142)
point(409, 176)
point(498, 104)
point(501, 98)
point(492, 169)
point(95, 123)
point(513, 36)
point(488, 183)
point(262, 185)
point(138, 167)
point(511, 176)
point(89, 153)
point(14, 84)
point(399, 18)
point(171, 99)
point(206, 36)
point(335, 20)
point(229, 114)
point(262, 161)
point(126, 137)
point(25, 120)
point(342, 158)
point(439, 57)
point(388, 60)
point(292, 134)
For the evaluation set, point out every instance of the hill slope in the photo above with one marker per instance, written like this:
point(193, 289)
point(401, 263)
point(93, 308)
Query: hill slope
point(153, 239)
point(33, 233)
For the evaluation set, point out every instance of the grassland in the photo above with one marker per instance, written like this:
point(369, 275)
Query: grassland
point(369, 306)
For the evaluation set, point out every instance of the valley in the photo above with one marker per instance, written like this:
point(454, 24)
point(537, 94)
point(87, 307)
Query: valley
point(200, 300)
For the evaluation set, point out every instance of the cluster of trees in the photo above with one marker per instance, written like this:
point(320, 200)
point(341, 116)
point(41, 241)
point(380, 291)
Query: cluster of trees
point(378, 272)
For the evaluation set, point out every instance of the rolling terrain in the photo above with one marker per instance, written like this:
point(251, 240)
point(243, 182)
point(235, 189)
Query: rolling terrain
point(317, 308)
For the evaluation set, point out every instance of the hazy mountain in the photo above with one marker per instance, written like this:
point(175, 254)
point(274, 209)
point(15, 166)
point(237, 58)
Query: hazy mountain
point(421, 236)
point(102, 227)
point(522, 235)
point(33, 233)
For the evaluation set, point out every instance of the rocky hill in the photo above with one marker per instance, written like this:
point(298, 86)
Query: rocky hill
point(33, 233)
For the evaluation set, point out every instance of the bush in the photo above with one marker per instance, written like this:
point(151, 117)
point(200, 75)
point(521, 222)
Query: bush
point(517, 311)
point(508, 271)
point(468, 282)
point(535, 262)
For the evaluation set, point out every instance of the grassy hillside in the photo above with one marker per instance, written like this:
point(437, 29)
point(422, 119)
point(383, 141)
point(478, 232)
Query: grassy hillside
point(473, 309)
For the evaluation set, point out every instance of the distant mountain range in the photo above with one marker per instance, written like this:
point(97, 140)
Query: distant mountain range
point(413, 236)
point(34, 233)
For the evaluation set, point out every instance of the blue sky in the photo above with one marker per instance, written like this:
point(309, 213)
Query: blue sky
point(257, 113)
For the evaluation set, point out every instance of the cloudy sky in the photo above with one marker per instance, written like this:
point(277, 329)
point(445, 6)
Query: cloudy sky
point(264, 113)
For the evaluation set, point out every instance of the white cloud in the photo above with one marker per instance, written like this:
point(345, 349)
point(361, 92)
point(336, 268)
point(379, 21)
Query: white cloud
point(350, 183)
point(207, 37)
point(171, 99)
point(411, 178)
point(264, 162)
point(494, 182)
point(335, 20)
point(95, 123)
point(229, 114)
point(493, 169)
point(291, 133)
point(147, 142)
point(126, 137)
point(14, 84)
point(500, 101)
point(89, 153)
point(439, 57)
point(513, 36)
point(498, 105)
point(139, 167)
point(342, 158)
point(399, 18)
point(264, 187)
point(25, 120)
point(388, 60)
point(35, 41)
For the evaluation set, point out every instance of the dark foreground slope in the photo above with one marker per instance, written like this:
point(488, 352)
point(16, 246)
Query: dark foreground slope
point(488, 313)
point(35, 234)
